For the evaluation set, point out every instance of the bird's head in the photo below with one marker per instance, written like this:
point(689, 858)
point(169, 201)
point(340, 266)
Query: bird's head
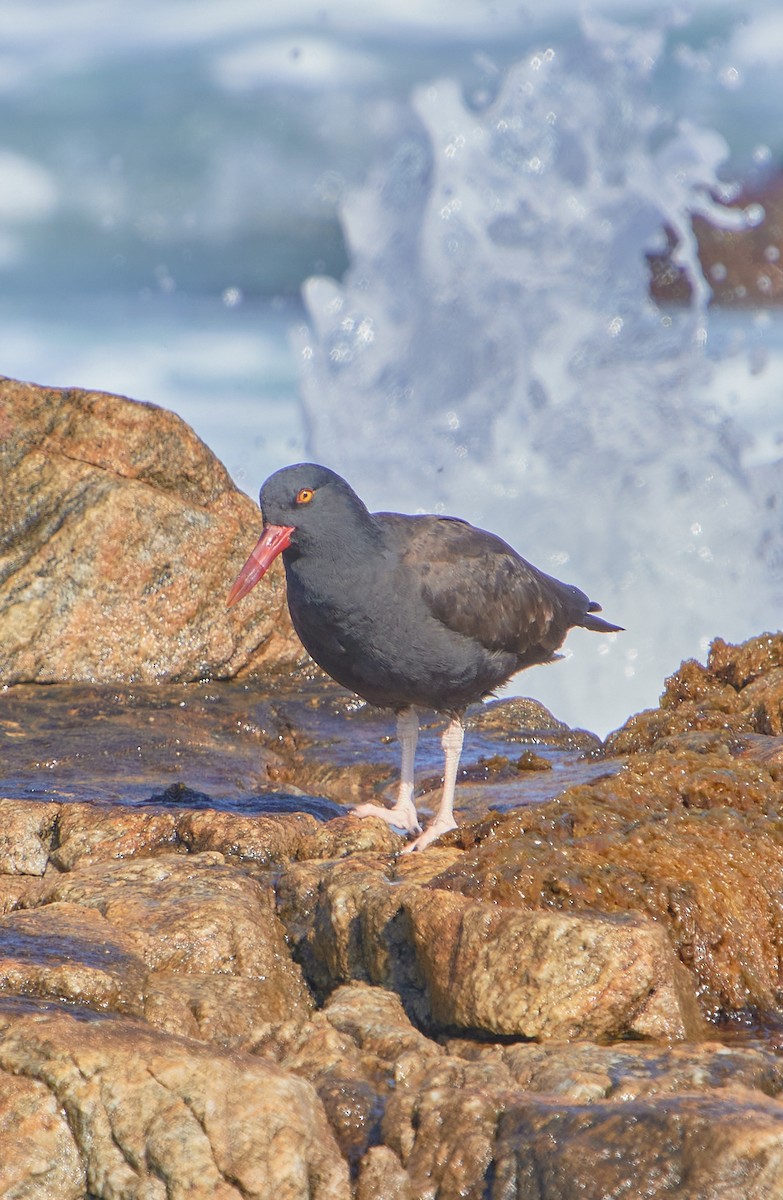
point(303, 506)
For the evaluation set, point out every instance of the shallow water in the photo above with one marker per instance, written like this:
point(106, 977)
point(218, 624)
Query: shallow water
point(304, 746)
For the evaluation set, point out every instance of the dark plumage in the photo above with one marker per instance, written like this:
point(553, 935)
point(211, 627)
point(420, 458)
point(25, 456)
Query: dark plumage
point(408, 612)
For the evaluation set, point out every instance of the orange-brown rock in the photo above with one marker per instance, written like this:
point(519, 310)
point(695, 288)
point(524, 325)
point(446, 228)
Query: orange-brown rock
point(520, 717)
point(743, 266)
point(583, 1071)
point(464, 1124)
point(742, 664)
point(346, 921)
point(441, 1110)
point(382, 1174)
point(154, 957)
point(68, 952)
point(353, 1052)
point(192, 944)
point(701, 1146)
point(463, 964)
point(554, 975)
point(89, 834)
point(39, 1155)
point(155, 1115)
point(67, 836)
point(235, 1012)
point(376, 1021)
point(346, 836)
point(119, 530)
point(192, 915)
point(26, 836)
point(693, 840)
point(738, 693)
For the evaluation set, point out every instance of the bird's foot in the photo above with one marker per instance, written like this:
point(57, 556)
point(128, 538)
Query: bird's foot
point(431, 834)
point(402, 816)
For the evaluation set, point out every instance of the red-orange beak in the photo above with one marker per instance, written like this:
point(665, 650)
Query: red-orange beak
point(272, 542)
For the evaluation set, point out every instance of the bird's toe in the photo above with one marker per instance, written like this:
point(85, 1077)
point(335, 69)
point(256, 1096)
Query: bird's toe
point(400, 817)
point(430, 835)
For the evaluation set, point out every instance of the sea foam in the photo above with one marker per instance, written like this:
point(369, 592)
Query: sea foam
point(493, 353)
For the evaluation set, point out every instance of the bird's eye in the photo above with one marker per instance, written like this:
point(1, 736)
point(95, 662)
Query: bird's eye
point(304, 495)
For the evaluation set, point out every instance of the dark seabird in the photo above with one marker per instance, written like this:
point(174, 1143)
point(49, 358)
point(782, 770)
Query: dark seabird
point(409, 612)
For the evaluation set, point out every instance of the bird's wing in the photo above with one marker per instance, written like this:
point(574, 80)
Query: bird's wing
point(479, 586)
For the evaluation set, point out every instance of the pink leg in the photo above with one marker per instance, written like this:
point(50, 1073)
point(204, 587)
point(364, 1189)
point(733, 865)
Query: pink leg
point(403, 814)
point(444, 818)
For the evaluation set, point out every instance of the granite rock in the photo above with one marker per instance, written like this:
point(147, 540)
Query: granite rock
point(153, 1115)
point(119, 530)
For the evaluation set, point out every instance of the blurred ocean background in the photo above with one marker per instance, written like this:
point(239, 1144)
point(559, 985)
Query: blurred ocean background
point(408, 240)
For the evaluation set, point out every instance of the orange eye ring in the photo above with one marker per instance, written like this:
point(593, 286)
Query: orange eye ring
point(304, 495)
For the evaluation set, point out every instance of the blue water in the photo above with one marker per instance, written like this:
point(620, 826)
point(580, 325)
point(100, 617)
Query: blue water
point(470, 189)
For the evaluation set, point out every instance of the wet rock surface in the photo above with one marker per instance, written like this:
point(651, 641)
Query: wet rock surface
point(252, 747)
point(576, 992)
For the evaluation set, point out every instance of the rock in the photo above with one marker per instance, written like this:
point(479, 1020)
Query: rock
point(232, 1012)
point(346, 921)
point(521, 718)
point(762, 699)
point(516, 970)
point(722, 1147)
point(440, 1110)
point(86, 833)
point(195, 916)
point(255, 842)
point(155, 957)
point(26, 836)
point(465, 1129)
point(346, 836)
point(740, 665)
point(193, 945)
point(508, 972)
point(67, 952)
point(382, 1175)
point(693, 683)
point(765, 750)
point(120, 528)
point(521, 713)
point(712, 710)
point(155, 1115)
point(19, 891)
point(355, 1056)
point(376, 1021)
point(361, 1030)
point(742, 265)
point(530, 761)
point(582, 1071)
point(442, 1127)
point(692, 840)
point(738, 693)
point(39, 1158)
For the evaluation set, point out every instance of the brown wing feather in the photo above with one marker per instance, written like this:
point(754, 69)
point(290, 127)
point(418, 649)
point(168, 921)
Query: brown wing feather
point(479, 586)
